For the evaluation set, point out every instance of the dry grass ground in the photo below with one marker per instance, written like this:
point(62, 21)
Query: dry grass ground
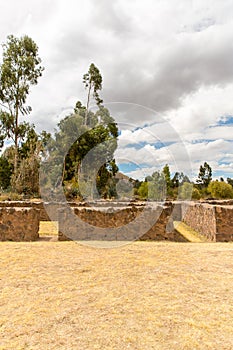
point(48, 228)
point(188, 232)
point(146, 295)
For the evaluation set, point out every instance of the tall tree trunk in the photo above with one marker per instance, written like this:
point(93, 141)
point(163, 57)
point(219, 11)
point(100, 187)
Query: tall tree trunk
point(63, 170)
point(16, 154)
point(16, 148)
point(88, 101)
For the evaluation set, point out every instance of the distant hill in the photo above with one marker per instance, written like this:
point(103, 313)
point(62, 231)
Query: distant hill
point(121, 176)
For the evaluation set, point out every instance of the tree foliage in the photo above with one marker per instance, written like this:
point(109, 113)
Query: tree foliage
point(93, 83)
point(179, 179)
point(143, 190)
point(220, 190)
point(87, 154)
point(230, 181)
point(19, 70)
point(205, 175)
point(6, 169)
point(167, 175)
point(154, 188)
point(26, 180)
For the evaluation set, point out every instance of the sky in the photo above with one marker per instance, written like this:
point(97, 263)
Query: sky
point(167, 68)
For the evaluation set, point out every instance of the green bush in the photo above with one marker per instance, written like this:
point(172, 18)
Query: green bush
point(143, 191)
point(220, 190)
point(71, 189)
point(185, 191)
point(196, 193)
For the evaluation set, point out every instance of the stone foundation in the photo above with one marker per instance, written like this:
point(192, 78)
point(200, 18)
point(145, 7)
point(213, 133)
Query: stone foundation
point(200, 217)
point(106, 220)
point(124, 223)
point(19, 224)
point(224, 223)
point(215, 222)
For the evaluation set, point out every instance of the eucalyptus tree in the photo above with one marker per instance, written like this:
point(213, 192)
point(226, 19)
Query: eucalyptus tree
point(20, 68)
point(82, 155)
point(5, 172)
point(205, 175)
point(93, 83)
point(30, 153)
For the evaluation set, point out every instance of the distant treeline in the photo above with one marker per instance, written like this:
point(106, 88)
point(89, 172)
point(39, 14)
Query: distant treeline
point(161, 185)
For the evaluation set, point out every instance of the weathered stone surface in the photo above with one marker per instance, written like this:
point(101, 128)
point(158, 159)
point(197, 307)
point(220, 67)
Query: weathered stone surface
point(47, 210)
point(224, 223)
point(27, 204)
point(119, 220)
point(218, 201)
point(215, 222)
point(19, 224)
point(107, 223)
point(201, 217)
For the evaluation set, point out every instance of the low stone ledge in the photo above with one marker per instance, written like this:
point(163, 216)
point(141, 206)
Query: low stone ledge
point(27, 204)
point(218, 202)
point(49, 210)
point(19, 224)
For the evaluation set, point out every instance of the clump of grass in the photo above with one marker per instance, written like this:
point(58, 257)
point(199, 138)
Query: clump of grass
point(11, 196)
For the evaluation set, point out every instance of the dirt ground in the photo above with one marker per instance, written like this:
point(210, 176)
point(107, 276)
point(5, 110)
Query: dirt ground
point(146, 295)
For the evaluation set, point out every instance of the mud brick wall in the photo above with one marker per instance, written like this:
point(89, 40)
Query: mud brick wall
point(200, 217)
point(118, 223)
point(19, 224)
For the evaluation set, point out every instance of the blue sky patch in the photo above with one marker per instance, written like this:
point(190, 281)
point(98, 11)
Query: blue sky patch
point(226, 120)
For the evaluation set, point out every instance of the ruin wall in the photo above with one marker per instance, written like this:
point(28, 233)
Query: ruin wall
point(19, 224)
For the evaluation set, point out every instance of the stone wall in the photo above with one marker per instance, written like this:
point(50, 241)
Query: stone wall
point(124, 223)
point(224, 223)
point(217, 201)
point(19, 224)
point(200, 217)
point(19, 220)
point(47, 210)
point(215, 222)
point(27, 204)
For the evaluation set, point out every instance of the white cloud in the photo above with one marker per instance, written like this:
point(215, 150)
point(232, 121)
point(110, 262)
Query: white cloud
point(173, 57)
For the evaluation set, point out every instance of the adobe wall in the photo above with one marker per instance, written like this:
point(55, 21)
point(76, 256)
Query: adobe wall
point(19, 224)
